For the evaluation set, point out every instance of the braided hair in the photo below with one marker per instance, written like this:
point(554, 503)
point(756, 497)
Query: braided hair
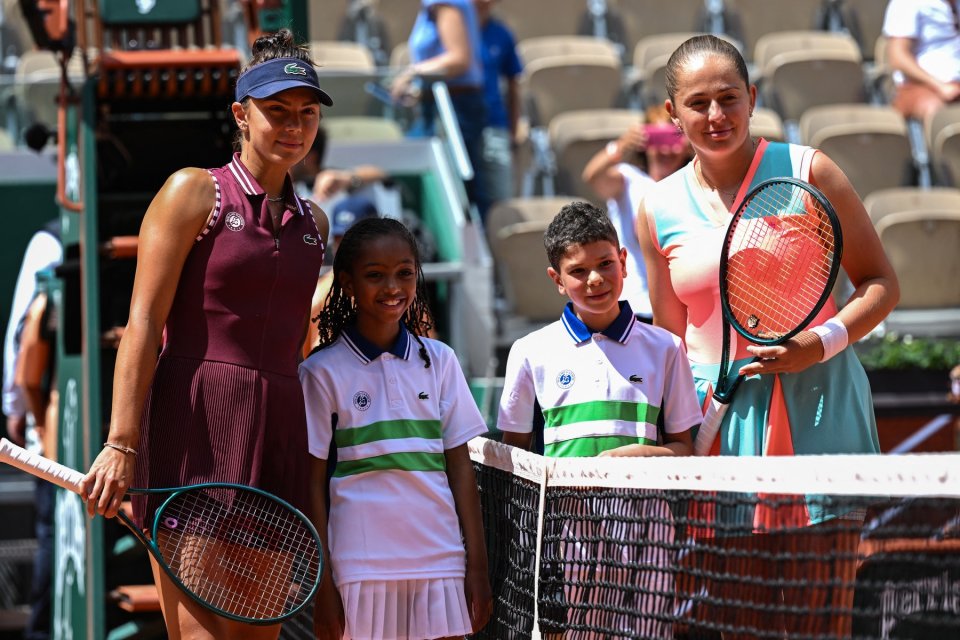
point(339, 309)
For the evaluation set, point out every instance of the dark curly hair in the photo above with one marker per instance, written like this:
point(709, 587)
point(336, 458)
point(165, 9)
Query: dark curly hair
point(339, 309)
point(577, 223)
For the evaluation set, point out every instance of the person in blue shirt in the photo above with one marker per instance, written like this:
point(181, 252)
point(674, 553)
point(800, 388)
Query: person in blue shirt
point(501, 66)
point(445, 43)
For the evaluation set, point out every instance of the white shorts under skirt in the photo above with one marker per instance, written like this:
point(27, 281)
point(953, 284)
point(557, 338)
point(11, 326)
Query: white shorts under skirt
point(405, 609)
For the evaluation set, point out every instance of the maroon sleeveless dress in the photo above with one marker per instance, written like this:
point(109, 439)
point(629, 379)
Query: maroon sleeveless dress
point(226, 404)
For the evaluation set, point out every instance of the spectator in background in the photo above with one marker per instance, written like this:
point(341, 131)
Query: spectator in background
point(313, 181)
point(44, 251)
point(445, 42)
point(27, 396)
point(621, 173)
point(500, 64)
point(923, 49)
point(36, 376)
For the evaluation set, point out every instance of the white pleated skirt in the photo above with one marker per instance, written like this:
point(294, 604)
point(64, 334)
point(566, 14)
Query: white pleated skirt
point(405, 609)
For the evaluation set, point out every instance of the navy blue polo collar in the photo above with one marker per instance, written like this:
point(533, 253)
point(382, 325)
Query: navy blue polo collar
point(366, 351)
point(618, 330)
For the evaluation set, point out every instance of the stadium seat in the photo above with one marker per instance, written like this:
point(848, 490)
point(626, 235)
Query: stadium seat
point(644, 18)
point(556, 84)
point(7, 142)
point(883, 202)
point(343, 69)
point(879, 74)
point(924, 249)
point(37, 85)
point(533, 18)
point(400, 55)
point(943, 117)
point(326, 24)
point(362, 129)
point(531, 49)
point(333, 54)
point(864, 19)
point(576, 136)
point(750, 20)
point(767, 124)
point(869, 143)
point(650, 56)
point(533, 209)
point(522, 266)
point(940, 134)
point(945, 155)
point(800, 70)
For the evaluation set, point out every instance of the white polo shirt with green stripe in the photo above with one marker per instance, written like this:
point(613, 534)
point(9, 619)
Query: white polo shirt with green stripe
point(598, 391)
point(392, 515)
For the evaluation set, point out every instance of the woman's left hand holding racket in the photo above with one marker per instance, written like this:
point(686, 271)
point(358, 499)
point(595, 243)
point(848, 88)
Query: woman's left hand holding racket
point(796, 354)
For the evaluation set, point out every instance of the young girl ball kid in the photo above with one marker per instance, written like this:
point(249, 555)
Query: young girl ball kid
point(404, 536)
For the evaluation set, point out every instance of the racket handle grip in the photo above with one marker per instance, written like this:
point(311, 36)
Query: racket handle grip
point(709, 428)
point(41, 467)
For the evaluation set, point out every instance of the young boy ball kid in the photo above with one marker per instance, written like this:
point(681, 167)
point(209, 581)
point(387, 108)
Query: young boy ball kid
point(604, 381)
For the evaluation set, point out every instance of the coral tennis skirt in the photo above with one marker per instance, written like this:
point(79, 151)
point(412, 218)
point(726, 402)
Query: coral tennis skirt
point(405, 609)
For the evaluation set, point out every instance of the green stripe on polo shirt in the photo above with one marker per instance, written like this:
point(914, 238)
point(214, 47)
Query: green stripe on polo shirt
point(389, 430)
point(408, 461)
point(600, 410)
point(590, 447)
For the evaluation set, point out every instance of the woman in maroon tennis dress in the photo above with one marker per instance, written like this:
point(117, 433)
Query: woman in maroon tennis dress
point(228, 260)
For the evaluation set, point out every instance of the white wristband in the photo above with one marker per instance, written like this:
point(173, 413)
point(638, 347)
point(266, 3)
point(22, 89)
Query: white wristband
point(833, 335)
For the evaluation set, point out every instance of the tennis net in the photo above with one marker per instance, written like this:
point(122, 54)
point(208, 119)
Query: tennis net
point(809, 547)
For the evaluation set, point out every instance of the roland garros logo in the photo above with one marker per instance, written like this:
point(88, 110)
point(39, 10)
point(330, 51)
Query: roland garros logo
point(294, 69)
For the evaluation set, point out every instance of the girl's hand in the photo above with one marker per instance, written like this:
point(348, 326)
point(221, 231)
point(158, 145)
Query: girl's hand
point(107, 481)
point(328, 621)
point(798, 353)
point(479, 597)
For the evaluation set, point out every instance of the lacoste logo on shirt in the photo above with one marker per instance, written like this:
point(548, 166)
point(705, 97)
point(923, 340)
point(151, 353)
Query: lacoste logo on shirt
point(636, 378)
point(309, 239)
point(423, 395)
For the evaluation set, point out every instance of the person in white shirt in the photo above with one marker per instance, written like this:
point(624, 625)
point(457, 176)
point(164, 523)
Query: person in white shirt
point(923, 48)
point(44, 251)
point(396, 408)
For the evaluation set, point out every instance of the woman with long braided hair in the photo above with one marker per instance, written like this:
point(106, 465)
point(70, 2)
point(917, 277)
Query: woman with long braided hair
point(400, 422)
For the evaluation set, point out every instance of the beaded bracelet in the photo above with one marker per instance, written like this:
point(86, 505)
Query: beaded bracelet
point(120, 447)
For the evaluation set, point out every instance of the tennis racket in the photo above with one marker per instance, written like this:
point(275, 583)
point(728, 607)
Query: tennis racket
point(780, 259)
point(236, 550)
